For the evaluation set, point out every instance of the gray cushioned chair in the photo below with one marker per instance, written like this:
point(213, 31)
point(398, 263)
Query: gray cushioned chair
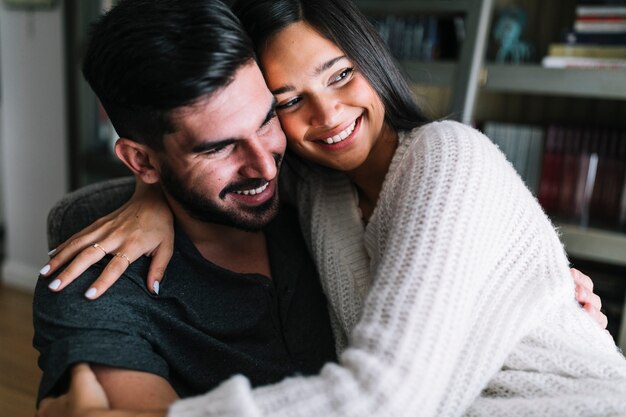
point(82, 207)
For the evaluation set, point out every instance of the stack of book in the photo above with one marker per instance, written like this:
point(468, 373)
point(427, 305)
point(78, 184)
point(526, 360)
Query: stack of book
point(421, 38)
point(598, 39)
point(523, 147)
point(578, 173)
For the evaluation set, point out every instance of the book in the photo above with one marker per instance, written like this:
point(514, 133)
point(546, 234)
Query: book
point(587, 51)
point(597, 205)
point(601, 19)
point(569, 172)
point(581, 191)
point(582, 62)
point(515, 142)
point(533, 165)
point(601, 2)
point(615, 167)
point(596, 38)
point(551, 170)
point(600, 10)
point(618, 26)
point(622, 204)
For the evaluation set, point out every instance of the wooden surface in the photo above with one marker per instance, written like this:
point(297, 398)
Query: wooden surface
point(19, 374)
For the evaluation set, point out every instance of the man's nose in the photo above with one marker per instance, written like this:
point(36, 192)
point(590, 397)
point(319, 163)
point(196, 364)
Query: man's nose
point(260, 161)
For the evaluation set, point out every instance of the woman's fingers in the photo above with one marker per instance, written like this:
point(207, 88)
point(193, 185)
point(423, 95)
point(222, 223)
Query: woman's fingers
point(85, 259)
point(85, 390)
point(584, 296)
point(79, 242)
point(590, 301)
point(582, 279)
point(160, 259)
point(597, 315)
point(54, 407)
point(112, 272)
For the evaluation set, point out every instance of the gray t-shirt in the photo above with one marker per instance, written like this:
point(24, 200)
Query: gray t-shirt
point(206, 325)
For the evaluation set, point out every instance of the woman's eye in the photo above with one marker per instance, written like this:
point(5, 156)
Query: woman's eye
point(342, 75)
point(289, 103)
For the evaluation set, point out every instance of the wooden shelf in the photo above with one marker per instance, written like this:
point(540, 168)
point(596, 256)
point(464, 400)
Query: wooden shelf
point(573, 82)
point(594, 244)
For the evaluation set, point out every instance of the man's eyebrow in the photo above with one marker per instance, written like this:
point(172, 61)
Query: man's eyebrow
point(211, 145)
point(316, 72)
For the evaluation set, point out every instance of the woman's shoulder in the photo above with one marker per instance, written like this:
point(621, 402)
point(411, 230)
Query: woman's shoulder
point(447, 141)
point(446, 131)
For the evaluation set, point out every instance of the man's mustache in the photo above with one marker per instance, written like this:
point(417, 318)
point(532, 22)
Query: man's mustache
point(251, 183)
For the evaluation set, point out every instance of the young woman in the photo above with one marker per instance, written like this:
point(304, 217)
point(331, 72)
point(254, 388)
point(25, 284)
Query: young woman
point(449, 289)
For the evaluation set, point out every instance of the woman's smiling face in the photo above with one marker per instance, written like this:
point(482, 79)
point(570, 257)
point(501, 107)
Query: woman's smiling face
point(330, 113)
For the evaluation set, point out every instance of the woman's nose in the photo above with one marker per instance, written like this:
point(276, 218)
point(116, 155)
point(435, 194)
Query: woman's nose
point(325, 110)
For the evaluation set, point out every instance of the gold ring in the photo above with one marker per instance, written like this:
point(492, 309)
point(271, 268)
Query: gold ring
point(97, 245)
point(123, 255)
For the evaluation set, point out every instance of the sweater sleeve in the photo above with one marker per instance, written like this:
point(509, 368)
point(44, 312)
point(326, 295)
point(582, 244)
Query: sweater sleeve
point(460, 275)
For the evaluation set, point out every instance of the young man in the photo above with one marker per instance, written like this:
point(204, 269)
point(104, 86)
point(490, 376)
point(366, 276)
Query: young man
point(180, 84)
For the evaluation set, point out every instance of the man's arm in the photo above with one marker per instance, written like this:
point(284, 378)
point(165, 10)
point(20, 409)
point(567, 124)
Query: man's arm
point(115, 333)
point(134, 390)
point(87, 398)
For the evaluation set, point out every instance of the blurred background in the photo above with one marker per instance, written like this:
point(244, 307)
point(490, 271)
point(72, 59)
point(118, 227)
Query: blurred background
point(546, 81)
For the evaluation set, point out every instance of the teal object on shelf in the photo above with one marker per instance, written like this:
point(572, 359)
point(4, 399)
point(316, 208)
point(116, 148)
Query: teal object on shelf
point(507, 32)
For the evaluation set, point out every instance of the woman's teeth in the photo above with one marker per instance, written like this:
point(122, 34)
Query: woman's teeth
point(341, 135)
point(254, 191)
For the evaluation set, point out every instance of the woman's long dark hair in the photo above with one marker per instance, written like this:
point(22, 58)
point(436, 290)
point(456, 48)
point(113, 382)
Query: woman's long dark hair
point(341, 22)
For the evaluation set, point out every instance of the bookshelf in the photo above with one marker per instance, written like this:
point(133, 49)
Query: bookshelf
point(91, 135)
point(568, 97)
point(594, 244)
point(535, 79)
point(527, 94)
point(463, 75)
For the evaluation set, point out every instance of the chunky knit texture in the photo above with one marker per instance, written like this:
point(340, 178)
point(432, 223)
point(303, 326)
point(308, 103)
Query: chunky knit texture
point(456, 297)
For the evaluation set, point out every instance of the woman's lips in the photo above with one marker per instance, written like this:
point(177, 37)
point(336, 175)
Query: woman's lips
point(343, 138)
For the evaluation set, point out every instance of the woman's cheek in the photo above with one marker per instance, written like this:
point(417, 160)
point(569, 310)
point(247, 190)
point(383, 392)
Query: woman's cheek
point(293, 129)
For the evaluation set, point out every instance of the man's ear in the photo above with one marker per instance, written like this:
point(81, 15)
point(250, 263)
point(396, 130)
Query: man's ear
point(139, 158)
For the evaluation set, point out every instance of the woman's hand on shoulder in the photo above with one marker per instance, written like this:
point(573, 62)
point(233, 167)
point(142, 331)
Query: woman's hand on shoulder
point(587, 298)
point(142, 226)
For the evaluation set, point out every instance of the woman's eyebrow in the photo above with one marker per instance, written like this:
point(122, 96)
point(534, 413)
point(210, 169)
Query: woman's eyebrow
point(316, 72)
point(326, 65)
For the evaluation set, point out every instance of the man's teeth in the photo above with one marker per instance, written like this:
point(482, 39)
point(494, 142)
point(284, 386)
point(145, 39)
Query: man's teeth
point(254, 191)
point(341, 135)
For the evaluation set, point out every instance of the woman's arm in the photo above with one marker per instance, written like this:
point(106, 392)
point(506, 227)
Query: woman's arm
point(465, 266)
point(142, 226)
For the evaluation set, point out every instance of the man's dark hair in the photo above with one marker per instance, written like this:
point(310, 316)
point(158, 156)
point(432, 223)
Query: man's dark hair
point(341, 22)
point(146, 58)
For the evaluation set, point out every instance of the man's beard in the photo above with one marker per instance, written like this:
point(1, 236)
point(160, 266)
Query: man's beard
point(251, 218)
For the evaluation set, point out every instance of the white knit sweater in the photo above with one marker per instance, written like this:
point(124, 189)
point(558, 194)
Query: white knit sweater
point(470, 308)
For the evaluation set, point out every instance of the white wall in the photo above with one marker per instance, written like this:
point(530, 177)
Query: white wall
point(32, 135)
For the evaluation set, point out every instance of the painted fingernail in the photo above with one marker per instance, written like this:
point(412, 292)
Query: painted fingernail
point(156, 287)
point(52, 252)
point(91, 293)
point(44, 270)
point(55, 284)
